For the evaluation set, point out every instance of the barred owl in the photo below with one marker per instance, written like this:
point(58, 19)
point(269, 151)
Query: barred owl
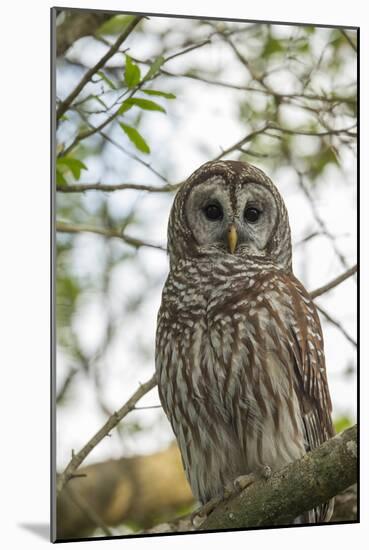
point(239, 347)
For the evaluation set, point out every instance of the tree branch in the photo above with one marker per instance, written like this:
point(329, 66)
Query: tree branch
point(338, 280)
point(302, 485)
point(111, 423)
point(242, 142)
point(116, 233)
point(81, 188)
point(336, 324)
point(271, 126)
point(119, 147)
point(64, 105)
point(285, 96)
point(319, 220)
point(352, 44)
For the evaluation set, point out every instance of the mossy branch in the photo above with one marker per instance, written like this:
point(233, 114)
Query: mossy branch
point(300, 486)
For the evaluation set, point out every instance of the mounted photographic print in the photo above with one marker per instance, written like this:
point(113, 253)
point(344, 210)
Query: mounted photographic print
point(204, 369)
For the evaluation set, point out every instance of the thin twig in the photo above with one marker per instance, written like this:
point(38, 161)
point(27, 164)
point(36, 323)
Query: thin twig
point(189, 49)
point(81, 188)
point(320, 220)
point(252, 89)
point(242, 142)
point(309, 237)
point(111, 423)
point(270, 126)
point(64, 105)
point(148, 407)
point(352, 44)
point(336, 324)
point(66, 384)
point(116, 233)
point(335, 282)
point(133, 156)
point(330, 132)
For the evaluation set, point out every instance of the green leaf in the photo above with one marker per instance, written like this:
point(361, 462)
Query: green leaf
point(60, 179)
point(124, 107)
point(154, 68)
point(304, 47)
point(167, 95)
point(317, 163)
point(132, 73)
point(73, 165)
point(342, 423)
point(114, 25)
point(145, 104)
point(272, 46)
point(109, 82)
point(135, 137)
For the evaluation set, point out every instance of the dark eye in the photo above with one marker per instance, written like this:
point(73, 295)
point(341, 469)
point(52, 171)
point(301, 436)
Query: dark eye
point(213, 212)
point(252, 214)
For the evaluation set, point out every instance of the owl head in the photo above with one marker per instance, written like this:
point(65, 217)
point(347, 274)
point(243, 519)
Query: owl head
point(230, 208)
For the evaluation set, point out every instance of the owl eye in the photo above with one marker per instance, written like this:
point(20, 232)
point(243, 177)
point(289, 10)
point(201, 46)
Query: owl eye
point(213, 212)
point(252, 214)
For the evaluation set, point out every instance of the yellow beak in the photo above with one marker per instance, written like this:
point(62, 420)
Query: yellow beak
point(232, 238)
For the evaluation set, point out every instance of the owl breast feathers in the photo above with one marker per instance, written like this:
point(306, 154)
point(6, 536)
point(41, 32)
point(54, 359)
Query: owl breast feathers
point(239, 350)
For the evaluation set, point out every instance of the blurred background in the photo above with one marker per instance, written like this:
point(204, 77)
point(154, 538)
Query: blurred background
point(169, 95)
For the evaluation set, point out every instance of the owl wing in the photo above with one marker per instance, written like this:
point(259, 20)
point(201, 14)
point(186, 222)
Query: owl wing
point(306, 341)
point(311, 385)
point(284, 347)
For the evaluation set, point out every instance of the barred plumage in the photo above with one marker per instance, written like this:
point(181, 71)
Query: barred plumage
point(239, 353)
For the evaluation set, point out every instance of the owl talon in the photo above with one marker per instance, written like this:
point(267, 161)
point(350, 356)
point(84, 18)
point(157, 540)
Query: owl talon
point(265, 472)
point(228, 490)
point(241, 482)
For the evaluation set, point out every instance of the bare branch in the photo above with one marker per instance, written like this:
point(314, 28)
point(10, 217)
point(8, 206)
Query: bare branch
point(66, 384)
point(111, 423)
point(242, 142)
point(81, 188)
point(263, 91)
point(88, 133)
point(123, 150)
point(336, 324)
point(319, 220)
point(352, 44)
point(64, 105)
point(116, 233)
point(270, 126)
point(329, 132)
point(338, 280)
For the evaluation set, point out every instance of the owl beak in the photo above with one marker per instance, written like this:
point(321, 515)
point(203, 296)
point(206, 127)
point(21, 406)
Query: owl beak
point(232, 238)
